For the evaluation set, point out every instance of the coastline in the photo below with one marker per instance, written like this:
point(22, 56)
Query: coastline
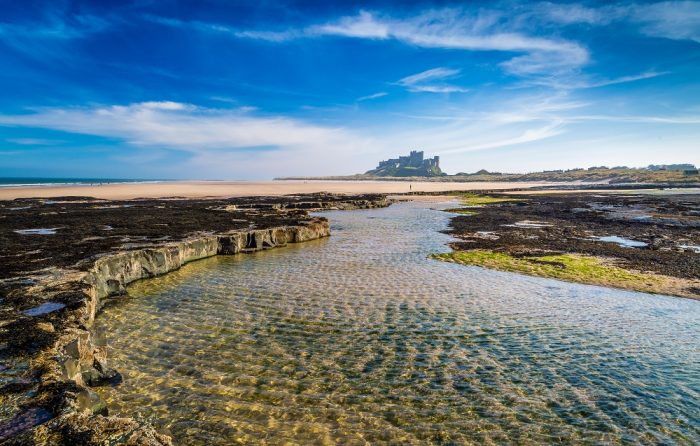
point(213, 189)
point(51, 357)
point(50, 297)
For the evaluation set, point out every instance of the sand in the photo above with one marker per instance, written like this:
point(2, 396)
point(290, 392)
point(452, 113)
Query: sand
point(198, 189)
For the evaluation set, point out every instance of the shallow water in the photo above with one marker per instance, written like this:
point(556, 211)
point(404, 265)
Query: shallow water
point(45, 308)
point(360, 338)
point(38, 231)
point(624, 242)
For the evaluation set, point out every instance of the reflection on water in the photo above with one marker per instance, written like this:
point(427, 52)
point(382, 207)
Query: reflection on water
point(361, 339)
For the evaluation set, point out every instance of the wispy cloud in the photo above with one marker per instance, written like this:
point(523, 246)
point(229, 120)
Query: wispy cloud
point(49, 37)
point(34, 141)
point(677, 20)
point(425, 81)
point(500, 30)
point(504, 123)
point(573, 13)
point(449, 28)
point(529, 135)
point(623, 79)
point(212, 136)
point(671, 20)
point(582, 82)
point(438, 89)
point(266, 35)
point(527, 35)
point(185, 127)
point(522, 120)
point(457, 29)
point(641, 119)
point(369, 97)
point(429, 75)
point(58, 27)
point(364, 25)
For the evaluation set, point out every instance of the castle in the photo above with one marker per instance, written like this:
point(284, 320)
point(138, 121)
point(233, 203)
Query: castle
point(411, 165)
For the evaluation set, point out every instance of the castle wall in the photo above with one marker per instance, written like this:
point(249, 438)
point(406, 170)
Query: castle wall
point(414, 159)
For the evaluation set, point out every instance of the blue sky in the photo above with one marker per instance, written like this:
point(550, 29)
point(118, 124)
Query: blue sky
point(218, 89)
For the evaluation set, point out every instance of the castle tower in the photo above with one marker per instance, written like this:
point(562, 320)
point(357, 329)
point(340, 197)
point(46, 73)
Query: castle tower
point(415, 158)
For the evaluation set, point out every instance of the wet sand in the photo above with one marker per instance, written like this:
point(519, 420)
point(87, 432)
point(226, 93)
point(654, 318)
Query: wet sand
point(200, 189)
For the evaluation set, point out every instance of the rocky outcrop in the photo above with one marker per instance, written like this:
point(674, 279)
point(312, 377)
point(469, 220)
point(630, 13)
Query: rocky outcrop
point(111, 274)
point(65, 407)
point(51, 355)
point(345, 205)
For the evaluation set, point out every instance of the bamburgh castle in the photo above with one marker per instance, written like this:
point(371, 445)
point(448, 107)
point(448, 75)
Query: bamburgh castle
point(411, 165)
point(414, 159)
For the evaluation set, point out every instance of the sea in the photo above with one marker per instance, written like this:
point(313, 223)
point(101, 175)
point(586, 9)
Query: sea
point(41, 181)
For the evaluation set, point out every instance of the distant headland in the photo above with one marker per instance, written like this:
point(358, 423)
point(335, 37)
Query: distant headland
point(412, 165)
point(415, 167)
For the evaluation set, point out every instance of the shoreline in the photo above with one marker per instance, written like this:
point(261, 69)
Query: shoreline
point(219, 189)
point(50, 297)
point(47, 314)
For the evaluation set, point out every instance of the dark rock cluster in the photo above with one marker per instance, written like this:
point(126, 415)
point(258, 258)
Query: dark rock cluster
point(60, 258)
point(666, 227)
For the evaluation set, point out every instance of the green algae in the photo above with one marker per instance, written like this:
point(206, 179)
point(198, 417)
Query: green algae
point(470, 199)
point(461, 211)
point(567, 267)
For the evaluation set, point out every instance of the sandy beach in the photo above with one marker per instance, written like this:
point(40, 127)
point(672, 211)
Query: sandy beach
point(199, 189)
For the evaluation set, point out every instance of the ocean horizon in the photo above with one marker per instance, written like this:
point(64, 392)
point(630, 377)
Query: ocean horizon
point(46, 181)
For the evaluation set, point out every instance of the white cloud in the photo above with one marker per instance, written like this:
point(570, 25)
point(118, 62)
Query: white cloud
point(671, 20)
point(623, 79)
point(573, 13)
point(437, 89)
point(187, 127)
point(224, 141)
point(641, 119)
point(164, 105)
point(423, 81)
point(455, 29)
point(581, 82)
point(363, 25)
point(216, 143)
point(49, 37)
point(235, 143)
point(266, 35)
point(439, 28)
point(548, 61)
point(528, 135)
point(58, 27)
point(521, 121)
point(369, 97)
point(432, 74)
point(34, 141)
point(677, 20)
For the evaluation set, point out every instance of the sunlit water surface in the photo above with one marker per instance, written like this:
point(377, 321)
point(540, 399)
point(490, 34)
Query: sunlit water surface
point(360, 338)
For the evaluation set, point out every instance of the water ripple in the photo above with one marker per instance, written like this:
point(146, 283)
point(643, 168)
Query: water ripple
point(361, 339)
